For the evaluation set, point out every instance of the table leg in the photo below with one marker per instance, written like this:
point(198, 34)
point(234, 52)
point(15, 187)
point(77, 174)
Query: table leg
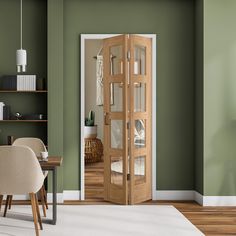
point(54, 203)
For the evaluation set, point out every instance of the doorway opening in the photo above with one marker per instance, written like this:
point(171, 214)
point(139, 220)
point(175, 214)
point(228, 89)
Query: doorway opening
point(118, 88)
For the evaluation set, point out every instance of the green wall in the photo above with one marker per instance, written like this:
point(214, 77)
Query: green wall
point(34, 35)
point(199, 96)
point(35, 42)
point(173, 22)
point(219, 97)
point(55, 83)
point(196, 101)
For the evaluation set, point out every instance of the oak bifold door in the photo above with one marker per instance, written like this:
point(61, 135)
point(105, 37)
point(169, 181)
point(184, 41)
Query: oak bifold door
point(127, 119)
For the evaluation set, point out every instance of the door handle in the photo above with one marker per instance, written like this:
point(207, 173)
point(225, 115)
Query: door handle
point(107, 120)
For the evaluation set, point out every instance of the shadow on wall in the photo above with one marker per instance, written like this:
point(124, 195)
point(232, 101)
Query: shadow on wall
point(221, 163)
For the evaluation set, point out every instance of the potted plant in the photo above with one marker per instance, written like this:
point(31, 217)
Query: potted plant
point(90, 130)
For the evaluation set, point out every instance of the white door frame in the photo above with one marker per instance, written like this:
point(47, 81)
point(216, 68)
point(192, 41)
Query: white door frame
point(82, 107)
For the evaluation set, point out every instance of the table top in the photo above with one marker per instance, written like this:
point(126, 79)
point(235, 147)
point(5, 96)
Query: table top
point(53, 161)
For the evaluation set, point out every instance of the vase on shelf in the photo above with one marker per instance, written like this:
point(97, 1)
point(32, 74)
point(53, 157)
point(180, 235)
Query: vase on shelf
point(90, 131)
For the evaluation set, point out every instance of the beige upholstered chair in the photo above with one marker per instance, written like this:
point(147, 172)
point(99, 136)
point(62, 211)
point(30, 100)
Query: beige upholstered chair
point(37, 146)
point(20, 173)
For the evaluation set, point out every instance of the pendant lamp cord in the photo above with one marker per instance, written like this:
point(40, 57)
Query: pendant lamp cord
point(21, 24)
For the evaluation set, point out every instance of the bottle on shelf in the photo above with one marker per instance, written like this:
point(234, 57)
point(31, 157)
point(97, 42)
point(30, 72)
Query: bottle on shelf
point(1, 110)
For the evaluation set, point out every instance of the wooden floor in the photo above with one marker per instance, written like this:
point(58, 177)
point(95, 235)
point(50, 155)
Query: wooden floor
point(210, 220)
point(94, 181)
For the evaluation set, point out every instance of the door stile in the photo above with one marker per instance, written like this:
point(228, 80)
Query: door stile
point(131, 116)
point(140, 192)
point(126, 119)
point(106, 103)
point(115, 156)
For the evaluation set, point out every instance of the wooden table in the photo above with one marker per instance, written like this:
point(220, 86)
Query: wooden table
point(51, 165)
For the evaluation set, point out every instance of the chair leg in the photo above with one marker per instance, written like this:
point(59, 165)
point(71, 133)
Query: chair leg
point(38, 212)
point(45, 197)
point(42, 201)
point(34, 211)
point(10, 202)
point(1, 198)
point(6, 205)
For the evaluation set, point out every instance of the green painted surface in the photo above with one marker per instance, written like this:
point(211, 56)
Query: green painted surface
point(34, 35)
point(173, 22)
point(219, 97)
point(55, 82)
point(35, 42)
point(199, 96)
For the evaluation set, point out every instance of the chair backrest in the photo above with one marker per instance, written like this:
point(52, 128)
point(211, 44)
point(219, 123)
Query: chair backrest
point(35, 144)
point(20, 171)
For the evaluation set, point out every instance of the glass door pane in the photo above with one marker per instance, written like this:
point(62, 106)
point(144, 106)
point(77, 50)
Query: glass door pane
point(139, 60)
point(116, 134)
point(140, 133)
point(139, 97)
point(116, 93)
point(140, 170)
point(116, 60)
point(117, 170)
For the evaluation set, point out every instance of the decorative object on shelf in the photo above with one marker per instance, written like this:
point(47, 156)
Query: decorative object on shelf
point(26, 83)
point(6, 112)
point(34, 117)
point(90, 130)
point(44, 156)
point(10, 140)
point(8, 82)
point(93, 150)
point(21, 55)
point(18, 116)
point(1, 110)
point(89, 121)
point(19, 82)
point(40, 83)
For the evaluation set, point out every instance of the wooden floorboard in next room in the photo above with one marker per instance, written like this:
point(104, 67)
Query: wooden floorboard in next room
point(94, 187)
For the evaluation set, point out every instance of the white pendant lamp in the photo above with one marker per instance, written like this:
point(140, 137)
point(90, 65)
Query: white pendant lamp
point(21, 55)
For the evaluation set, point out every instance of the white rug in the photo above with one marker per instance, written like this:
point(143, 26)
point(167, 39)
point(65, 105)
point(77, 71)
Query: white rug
point(102, 220)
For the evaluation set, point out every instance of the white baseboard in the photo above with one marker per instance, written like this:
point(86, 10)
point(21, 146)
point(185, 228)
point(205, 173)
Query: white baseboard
point(71, 195)
point(219, 201)
point(21, 197)
point(215, 200)
point(168, 195)
point(195, 196)
point(198, 198)
point(60, 198)
point(66, 195)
